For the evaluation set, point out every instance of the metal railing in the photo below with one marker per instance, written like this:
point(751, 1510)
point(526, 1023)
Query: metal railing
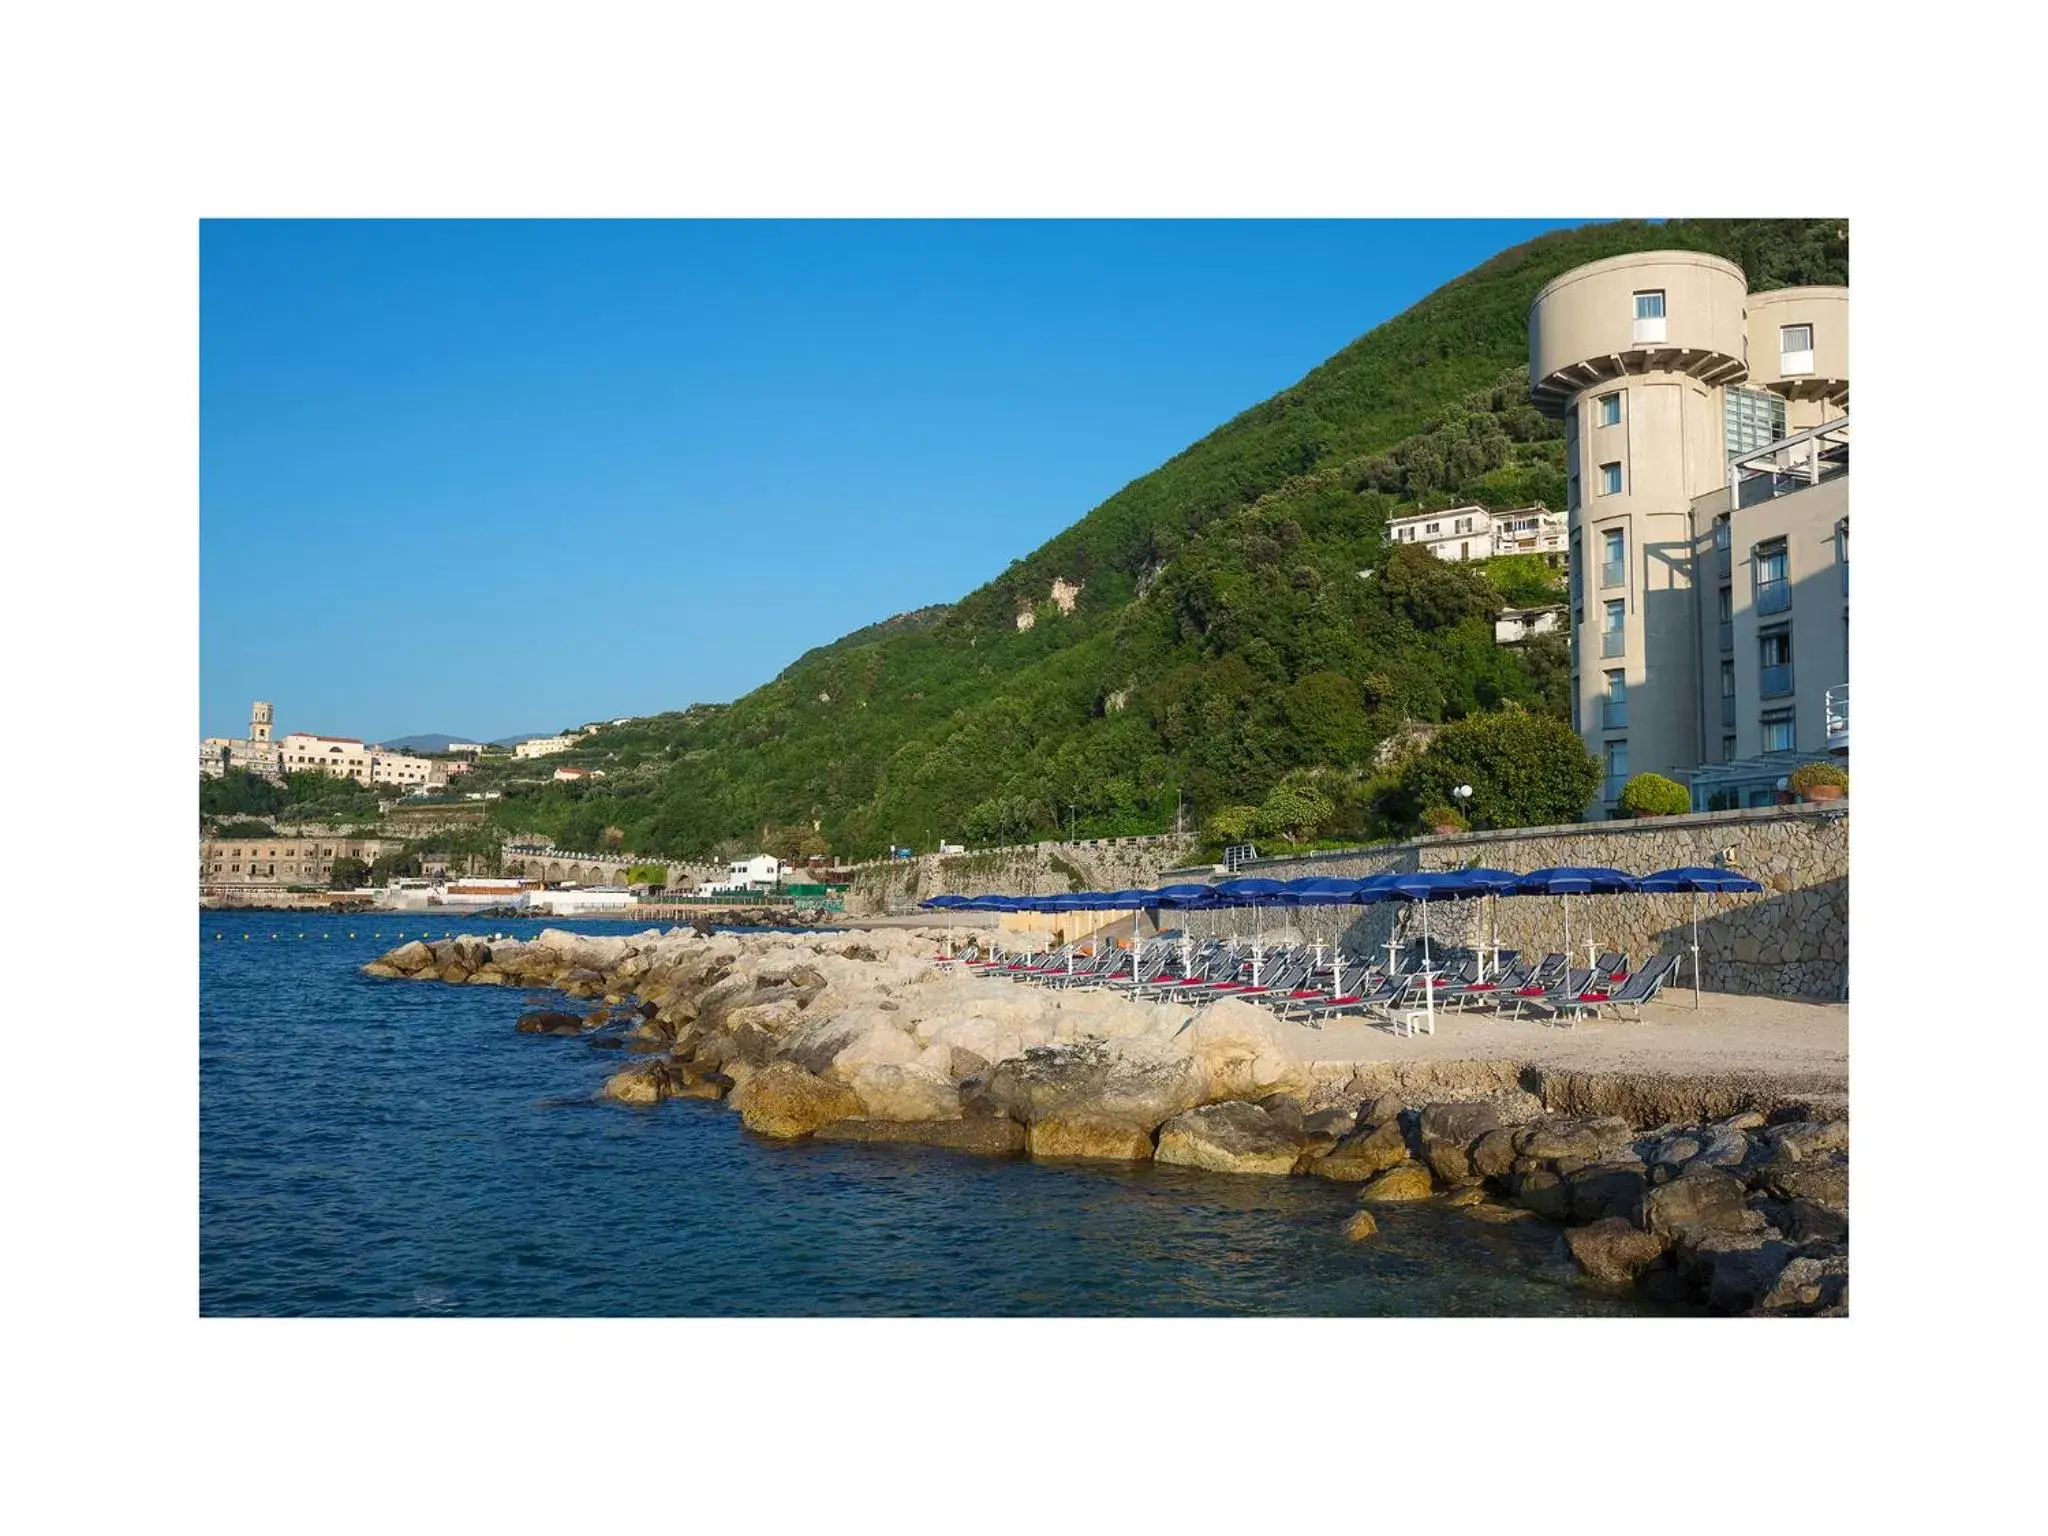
point(1773, 596)
point(1775, 682)
point(1613, 714)
point(1836, 706)
point(1613, 642)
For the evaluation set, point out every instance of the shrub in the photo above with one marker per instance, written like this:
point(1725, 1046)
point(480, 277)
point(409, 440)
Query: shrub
point(1231, 824)
point(1807, 775)
point(1525, 770)
point(1444, 816)
point(1651, 794)
point(1295, 811)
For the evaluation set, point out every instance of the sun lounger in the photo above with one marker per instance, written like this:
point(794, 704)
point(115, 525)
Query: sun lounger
point(1506, 984)
point(1561, 998)
point(1639, 987)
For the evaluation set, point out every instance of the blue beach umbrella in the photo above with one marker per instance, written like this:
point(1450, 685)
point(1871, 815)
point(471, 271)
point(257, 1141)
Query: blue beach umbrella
point(1698, 879)
point(948, 905)
point(1189, 897)
point(1257, 893)
point(1424, 886)
point(1331, 891)
point(1137, 901)
point(1569, 880)
point(1495, 883)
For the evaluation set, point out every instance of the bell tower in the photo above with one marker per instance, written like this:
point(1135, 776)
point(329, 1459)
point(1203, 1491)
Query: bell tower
point(259, 720)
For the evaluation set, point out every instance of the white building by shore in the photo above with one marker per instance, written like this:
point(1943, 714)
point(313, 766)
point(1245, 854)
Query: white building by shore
point(1471, 532)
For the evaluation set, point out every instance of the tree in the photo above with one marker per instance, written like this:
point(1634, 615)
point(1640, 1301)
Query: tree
point(1000, 819)
point(1433, 593)
point(238, 792)
point(647, 874)
point(1525, 771)
point(244, 829)
point(1651, 794)
point(1231, 823)
point(1295, 811)
point(348, 873)
point(395, 866)
point(1326, 717)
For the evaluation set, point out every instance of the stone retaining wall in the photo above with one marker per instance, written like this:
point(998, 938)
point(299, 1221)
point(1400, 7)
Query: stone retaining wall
point(1792, 940)
point(1039, 869)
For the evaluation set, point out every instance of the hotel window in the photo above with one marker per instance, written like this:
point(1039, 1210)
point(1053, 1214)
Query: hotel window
point(1751, 418)
point(1727, 749)
point(1610, 479)
point(1842, 552)
point(1617, 768)
point(1774, 662)
point(1614, 706)
point(1773, 590)
point(1777, 730)
point(1610, 409)
point(1721, 531)
point(1432, 529)
point(1613, 561)
point(1571, 493)
point(1795, 349)
point(1649, 323)
point(1613, 638)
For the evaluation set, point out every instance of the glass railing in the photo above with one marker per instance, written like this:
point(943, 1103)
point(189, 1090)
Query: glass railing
point(1727, 709)
point(1775, 682)
point(1611, 573)
point(1613, 642)
point(1773, 596)
point(1727, 636)
point(1613, 714)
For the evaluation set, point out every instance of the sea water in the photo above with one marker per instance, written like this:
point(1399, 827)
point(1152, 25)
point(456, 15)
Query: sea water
point(380, 1147)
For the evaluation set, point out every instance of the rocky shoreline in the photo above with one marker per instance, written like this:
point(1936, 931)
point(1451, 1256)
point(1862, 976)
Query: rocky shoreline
point(1732, 1193)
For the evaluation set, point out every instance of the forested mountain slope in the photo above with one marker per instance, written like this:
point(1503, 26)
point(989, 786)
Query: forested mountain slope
point(1199, 636)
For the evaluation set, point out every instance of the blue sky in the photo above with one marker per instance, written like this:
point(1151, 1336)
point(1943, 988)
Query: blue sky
point(489, 478)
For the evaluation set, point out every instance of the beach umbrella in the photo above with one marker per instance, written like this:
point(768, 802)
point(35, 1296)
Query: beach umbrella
point(1137, 901)
point(948, 905)
point(1424, 886)
point(1065, 901)
point(1331, 891)
point(1698, 879)
point(1569, 880)
point(1258, 894)
point(1495, 883)
point(1191, 897)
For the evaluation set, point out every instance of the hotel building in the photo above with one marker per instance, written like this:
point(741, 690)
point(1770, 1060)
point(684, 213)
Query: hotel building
point(1707, 501)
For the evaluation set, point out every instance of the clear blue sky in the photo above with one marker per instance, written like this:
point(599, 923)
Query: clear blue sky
point(489, 478)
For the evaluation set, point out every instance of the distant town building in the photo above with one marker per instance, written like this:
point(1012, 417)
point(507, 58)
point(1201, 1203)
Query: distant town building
point(1472, 533)
point(1511, 626)
point(469, 749)
point(276, 862)
point(546, 746)
point(255, 753)
point(347, 757)
point(579, 773)
point(761, 872)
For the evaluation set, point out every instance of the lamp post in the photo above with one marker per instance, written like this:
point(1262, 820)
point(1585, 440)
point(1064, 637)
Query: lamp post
point(1463, 795)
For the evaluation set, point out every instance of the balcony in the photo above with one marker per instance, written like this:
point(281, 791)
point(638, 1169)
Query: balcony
point(1614, 642)
point(1727, 711)
point(1612, 573)
point(1837, 709)
point(1773, 596)
point(1727, 636)
point(1614, 714)
point(1775, 682)
point(1790, 464)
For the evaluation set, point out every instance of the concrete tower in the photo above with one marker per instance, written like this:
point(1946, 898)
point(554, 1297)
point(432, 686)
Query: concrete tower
point(259, 720)
point(1648, 359)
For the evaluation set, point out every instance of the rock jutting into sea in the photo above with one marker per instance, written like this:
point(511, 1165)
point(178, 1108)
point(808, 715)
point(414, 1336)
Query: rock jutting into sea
point(1731, 1194)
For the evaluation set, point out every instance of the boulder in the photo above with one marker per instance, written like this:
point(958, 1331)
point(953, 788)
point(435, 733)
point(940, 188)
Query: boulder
point(1737, 1269)
point(990, 1135)
point(1240, 1050)
point(1493, 1155)
point(1581, 1139)
point(1362, 1154)
point(1606, 1190)
point(1677, 1150)
point(1810, 1138)
point(1360, 1226)
point(1446, 1131)
point(1229, 1138)
point(1469, 1194)
point(1806, 1222)
point(1082, 1139)
point(890, 1092)
point(1285, 1109)
point(410, 958)
point(1807, 1285)
point(1613, 1250)
point(1544, 1192)
point(1378, 1111)
point(1086, 1081)
point(784, 1101)
point(1333, 1123)
point(1402, 1182)
point(1694, 1203)
point(640, 1086)
point(1821, 1183)
point(547, 1021)
point(1727, 1150)
point(1494, 1211)
point(379, 968)
point(704, 1085)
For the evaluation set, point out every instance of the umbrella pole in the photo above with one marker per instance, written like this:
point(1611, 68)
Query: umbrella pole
point(1695, 951)
point(1258, 940)
point(1428, 975)
point(1567, 930)
point(1186, 948)
point(1135, 914)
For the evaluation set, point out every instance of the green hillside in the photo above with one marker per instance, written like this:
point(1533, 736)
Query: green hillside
point(1222, 637)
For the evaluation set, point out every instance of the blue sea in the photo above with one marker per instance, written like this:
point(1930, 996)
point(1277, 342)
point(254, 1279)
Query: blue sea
point(393, 1148)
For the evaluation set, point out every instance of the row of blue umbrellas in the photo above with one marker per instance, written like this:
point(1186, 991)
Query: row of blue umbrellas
point(1424, 886)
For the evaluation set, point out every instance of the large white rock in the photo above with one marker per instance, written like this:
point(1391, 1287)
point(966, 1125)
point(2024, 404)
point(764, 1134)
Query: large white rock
point(912, 1092)
point(1241, 1050)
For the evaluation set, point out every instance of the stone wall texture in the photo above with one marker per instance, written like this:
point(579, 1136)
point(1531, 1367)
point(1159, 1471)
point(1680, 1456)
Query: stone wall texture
point(1038, 869)
point(1791, 940)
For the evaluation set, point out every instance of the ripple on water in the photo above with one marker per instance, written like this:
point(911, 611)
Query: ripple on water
point(393, 1148)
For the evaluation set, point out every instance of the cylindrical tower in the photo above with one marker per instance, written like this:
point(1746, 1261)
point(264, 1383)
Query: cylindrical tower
point(1799, 348)
point(1633, 353)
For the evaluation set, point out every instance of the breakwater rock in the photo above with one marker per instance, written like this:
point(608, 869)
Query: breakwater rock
point(1727, 1191)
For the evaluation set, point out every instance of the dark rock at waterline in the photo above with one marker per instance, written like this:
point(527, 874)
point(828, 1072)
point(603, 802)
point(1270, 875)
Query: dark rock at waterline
point(989, 1135)
point(549, 1021)
point(1606, 1190)
point(1696, 1202)
point(1613, 1250)
point(605, 1042)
